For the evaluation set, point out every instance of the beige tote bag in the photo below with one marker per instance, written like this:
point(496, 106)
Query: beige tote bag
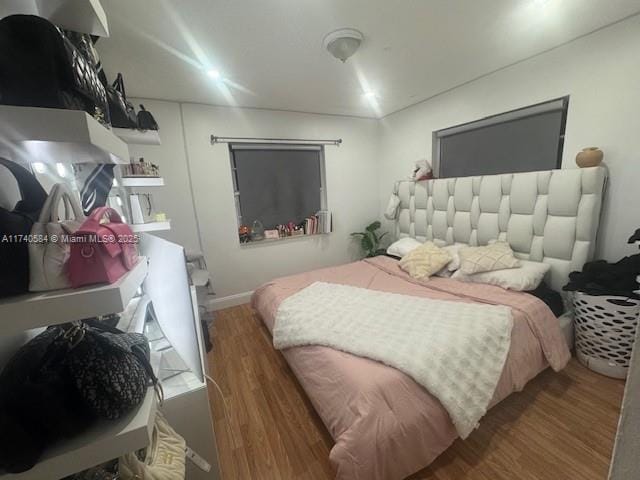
point(48, 252)
point(164, 460)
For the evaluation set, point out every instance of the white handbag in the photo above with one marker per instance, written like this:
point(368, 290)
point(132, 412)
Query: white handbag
point(48, 252)
point(165, 458)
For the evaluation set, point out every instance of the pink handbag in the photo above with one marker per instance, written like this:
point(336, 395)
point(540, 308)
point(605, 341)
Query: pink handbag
point(103, 249)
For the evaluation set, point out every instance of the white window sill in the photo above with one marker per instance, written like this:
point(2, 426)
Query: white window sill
point(272, 241)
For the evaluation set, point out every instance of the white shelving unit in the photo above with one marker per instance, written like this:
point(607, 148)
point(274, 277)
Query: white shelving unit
point(35, 310)
point(51, 135)
point(86, 16)
point(151, 226)
point(143, 182)
point(138, 137)
point(103, 442)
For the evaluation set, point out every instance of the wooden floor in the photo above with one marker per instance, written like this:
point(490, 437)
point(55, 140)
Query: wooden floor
point(561, 427)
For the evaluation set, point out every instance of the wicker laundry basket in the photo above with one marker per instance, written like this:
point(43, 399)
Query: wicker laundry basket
point(605, 328)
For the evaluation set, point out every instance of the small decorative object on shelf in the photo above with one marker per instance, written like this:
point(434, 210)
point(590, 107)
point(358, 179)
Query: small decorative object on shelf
point(370, 240)
point(257, 231)
point(243, 234)
point(589, 157)
point(317, 224)
point(140, 169)
point(421, 171)
point(271, 234)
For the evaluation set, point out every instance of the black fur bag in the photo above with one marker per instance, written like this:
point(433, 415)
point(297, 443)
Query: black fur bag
point(63, 380)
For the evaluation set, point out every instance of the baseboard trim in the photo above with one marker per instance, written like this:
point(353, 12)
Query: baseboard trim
point(230, 301)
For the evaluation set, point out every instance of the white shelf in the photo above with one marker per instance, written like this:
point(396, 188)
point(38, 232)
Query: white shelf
point(142, 182)
point(151, 226)
point(138, 137)
point(35, 310)
point(180, 384)
point(51, 135)
point(103, 442)
point(85, 16)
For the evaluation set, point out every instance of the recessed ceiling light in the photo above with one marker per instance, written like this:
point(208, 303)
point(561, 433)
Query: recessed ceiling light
point(215, 74)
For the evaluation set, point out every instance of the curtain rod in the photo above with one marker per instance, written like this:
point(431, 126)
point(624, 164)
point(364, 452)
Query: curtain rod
point(215, 140)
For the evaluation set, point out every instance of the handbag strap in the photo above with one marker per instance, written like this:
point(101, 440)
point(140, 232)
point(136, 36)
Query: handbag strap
point(60, 192)
point(118, 84)
point(105, 212)
point(32, 193)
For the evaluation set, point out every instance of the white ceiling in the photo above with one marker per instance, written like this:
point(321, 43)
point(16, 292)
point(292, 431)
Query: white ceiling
point(270, 51)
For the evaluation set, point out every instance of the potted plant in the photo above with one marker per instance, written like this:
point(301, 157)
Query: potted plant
point(370, 240)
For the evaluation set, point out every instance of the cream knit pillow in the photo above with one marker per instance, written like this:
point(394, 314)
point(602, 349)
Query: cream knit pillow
point(496, 256)
point(424, 261)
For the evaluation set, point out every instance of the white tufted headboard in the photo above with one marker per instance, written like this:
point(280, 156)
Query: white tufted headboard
point(550, 216)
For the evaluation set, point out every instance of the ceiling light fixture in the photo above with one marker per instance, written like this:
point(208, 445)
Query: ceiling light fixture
point(369, 95)
point(215, 74)
point(39, 167)
point(343, 43)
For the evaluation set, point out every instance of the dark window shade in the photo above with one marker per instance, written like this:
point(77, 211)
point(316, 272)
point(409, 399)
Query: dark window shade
point(523, 144)
point(277, 186)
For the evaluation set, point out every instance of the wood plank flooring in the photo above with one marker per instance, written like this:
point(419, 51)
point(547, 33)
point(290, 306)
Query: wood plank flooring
point(561, 427)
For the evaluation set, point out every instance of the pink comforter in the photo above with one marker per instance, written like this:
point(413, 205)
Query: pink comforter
point(385, 425)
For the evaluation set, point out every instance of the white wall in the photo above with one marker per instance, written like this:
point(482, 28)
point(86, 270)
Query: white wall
point(352, 192)
point(600, 72)
point(175, 197)
point(352, 189)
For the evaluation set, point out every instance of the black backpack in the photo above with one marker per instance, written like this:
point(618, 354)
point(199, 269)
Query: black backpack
point(14, 225)
point(40, 67)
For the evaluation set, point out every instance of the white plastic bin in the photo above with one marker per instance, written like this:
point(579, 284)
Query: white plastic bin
point(605, 328)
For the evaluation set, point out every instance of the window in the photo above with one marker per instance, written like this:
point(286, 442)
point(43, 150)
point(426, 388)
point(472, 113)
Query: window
point(277, 184)
point(523, 140)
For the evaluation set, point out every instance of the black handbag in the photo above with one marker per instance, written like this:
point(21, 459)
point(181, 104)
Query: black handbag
point(146, 120)
point(40, 67)
point(122, 113)
point(15, 226)
point(63, 380)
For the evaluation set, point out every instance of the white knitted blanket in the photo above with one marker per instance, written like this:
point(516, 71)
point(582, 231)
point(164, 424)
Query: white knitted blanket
point(455, 350)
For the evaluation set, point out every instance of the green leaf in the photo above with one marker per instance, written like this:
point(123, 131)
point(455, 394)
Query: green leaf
point(366, 244)
point(356, 234)
point(374, 226)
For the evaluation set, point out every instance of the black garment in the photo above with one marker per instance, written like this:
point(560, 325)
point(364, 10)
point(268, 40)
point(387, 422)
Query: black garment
point(604, 278)
point(635, 237)
point(550, 297)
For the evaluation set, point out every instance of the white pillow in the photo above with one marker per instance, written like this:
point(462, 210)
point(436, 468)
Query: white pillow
point(454, 251)
point(454, 264)
point(403, 246)
point(526, 277)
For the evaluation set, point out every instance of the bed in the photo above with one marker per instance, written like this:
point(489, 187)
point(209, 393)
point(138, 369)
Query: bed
point(387, 426)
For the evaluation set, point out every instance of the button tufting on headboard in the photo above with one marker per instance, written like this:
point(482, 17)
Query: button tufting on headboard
point(550, 216)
